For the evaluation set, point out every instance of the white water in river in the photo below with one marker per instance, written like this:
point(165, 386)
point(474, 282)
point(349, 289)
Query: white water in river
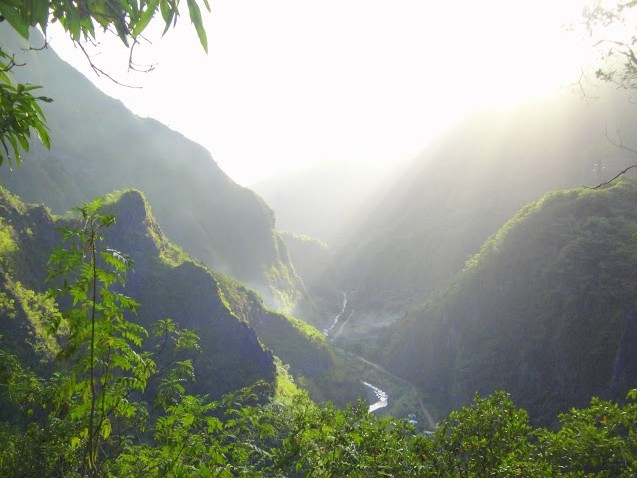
point(327, 331)
point(382, 398)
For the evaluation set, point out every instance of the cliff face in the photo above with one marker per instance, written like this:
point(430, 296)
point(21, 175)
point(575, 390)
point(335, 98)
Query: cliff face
point(163, 280)
point(545, 311)
point(625, 365)
point(27, 237)
point(169, 285)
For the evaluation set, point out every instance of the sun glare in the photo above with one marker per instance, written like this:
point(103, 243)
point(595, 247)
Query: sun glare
point(288, 81)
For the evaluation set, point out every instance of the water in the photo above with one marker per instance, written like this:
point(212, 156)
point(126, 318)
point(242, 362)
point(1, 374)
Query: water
point(327, 331)
point(382, 398)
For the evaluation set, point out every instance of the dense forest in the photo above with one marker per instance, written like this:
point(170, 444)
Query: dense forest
point(546, 309)
point(157, 321)
point(99, 393)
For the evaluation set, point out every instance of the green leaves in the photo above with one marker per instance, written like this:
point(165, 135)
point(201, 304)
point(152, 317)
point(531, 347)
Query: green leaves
point(128, 18)
point(195, 18)
point(104, 348)
point(20, 115)
point(12, 13)
point(145, 17)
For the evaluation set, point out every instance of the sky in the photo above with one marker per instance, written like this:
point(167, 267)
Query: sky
point(291, 82)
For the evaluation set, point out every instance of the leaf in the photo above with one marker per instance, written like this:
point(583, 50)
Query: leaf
point(15, 20)
point(168, 13)
point(72, 22)
point(145, 18)
point(105, 430)
point(41, 14)
point(195, 18)
point(121, 32)
point(43, 135)
point(188, 419)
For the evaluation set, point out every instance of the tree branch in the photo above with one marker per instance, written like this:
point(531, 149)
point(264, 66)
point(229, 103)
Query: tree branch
point(101, 72)
point(620, 144)
point(579, 84)
point(621, 173)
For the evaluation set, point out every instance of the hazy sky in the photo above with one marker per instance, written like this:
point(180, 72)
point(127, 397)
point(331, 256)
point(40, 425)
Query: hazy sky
point(293, 81)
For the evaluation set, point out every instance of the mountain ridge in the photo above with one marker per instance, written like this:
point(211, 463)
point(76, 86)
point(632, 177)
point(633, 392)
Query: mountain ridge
point(466, 185)
point(99, 146)
point(546, 310)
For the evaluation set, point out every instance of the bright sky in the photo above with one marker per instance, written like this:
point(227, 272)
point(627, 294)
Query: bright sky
point(293, 81)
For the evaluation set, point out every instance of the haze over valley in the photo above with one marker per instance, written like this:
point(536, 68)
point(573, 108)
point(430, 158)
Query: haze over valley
point(457, 262)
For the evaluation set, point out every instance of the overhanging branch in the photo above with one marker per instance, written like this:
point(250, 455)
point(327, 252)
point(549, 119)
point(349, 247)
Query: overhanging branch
point(620, 144)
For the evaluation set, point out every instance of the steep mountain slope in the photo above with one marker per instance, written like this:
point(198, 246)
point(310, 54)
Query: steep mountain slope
point(310, 256)
point(27, 235)
point(311, 359)
point(99, 146)
point(545, 311)
point(463, 188)
point(233, 324)
point(164, 280)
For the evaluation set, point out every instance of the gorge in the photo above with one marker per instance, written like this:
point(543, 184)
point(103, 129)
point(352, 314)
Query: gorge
point(464, 313)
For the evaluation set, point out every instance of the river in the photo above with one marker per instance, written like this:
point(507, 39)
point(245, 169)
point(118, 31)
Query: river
point(381, 397)
point(327, 331)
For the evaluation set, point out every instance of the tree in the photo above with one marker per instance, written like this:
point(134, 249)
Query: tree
point(79, 421)
point(614, 32)
point(20, 113)
point(108, 364)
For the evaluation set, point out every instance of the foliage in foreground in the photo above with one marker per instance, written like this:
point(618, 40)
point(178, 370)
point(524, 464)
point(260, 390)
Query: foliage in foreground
point(20, 112)
point(94, 416)
point(234, 437)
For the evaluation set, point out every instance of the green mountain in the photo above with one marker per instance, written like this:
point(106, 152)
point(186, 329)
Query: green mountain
point(546, 310)
point(463, 188)
point(238, 333)
point(100, 146)
point(164, 280)
point(310, 357)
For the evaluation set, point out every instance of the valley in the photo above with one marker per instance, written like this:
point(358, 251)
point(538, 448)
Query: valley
point(468, 310)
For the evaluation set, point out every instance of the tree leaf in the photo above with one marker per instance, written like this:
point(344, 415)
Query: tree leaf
point(15, 19)
point(145, 18)
point(195, 18)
